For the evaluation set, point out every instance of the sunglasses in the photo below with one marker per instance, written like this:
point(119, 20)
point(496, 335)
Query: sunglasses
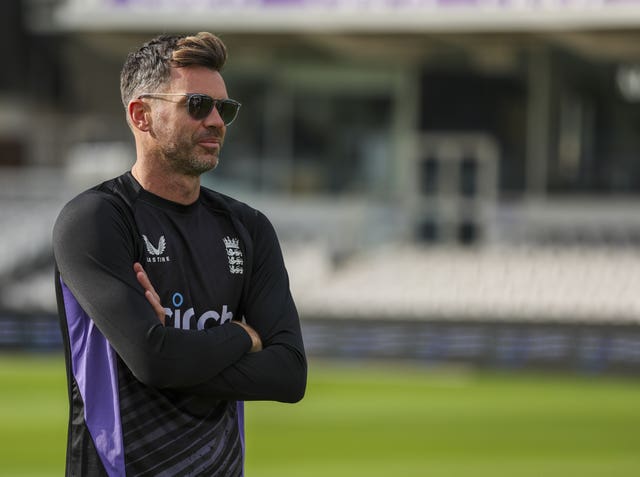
point(199, 106)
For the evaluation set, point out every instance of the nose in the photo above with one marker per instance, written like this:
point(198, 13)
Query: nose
point(214, 119)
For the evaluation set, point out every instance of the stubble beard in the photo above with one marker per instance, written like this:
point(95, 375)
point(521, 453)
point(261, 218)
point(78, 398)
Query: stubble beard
point(182, 157)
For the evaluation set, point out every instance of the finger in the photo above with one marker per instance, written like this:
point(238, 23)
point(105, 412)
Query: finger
point(143, 279)
point(152, 298)
point(139, 271)
point(148, 287)
point(149, 291)
point(141, 276)
point(156, 305)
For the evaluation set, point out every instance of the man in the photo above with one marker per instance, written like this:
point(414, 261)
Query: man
point(154, 275)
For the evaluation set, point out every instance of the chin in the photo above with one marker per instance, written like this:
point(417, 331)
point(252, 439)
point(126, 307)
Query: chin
point(201, 164)
point(214, 163)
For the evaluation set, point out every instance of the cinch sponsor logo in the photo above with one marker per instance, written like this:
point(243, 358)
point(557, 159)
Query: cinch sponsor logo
point(185, 320)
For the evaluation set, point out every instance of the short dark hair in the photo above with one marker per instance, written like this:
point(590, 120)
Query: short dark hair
point(148, 68)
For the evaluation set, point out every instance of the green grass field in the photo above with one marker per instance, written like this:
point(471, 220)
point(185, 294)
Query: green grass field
point(379, 420)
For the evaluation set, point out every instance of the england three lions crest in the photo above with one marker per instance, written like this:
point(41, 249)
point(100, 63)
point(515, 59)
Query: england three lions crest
point(234, 255)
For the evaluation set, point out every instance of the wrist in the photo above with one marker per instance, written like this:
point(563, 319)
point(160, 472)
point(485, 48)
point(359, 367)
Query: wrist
point(256, 342)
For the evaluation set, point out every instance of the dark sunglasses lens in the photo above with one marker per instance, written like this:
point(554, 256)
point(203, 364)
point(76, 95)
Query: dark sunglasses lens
point(200, 106)
point(228, 110)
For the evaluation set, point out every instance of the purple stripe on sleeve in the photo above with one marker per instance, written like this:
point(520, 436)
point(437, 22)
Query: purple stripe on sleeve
point(240, 408)
point(93, 363)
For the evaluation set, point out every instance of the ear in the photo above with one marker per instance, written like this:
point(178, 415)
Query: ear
point(139, 116)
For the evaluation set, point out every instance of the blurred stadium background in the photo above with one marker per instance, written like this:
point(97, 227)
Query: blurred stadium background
point(453, 181)
point(463, 176)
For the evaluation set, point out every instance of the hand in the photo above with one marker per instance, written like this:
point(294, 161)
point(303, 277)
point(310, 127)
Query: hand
point(149, 292)
point(256, 342)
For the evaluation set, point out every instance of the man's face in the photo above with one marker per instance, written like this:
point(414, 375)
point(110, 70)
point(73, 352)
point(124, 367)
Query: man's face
point(188, 146)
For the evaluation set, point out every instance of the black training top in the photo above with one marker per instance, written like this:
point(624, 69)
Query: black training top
point(147, 399)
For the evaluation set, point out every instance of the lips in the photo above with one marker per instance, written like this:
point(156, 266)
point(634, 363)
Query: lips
point(210, 142)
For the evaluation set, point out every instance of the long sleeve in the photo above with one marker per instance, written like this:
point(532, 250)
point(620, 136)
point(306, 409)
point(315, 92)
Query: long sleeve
point(94, 252)
point(279, 371)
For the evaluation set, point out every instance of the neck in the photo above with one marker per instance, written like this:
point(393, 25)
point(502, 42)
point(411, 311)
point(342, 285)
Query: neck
point(171, 186)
